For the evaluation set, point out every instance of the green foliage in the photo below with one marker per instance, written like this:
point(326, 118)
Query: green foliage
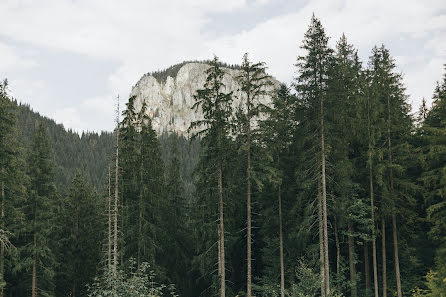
point(134, 282)
point(39, 209)
point(53, 200)
point(80, 221)
point(87, 152)
point(308, 282)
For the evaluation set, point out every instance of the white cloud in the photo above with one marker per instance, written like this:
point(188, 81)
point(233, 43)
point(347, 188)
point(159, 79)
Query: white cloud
point(365, 23)
point(10, 59)
point(70, 118)
point(141, 36)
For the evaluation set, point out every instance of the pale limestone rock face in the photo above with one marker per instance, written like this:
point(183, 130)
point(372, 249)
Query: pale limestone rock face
point(169, 104)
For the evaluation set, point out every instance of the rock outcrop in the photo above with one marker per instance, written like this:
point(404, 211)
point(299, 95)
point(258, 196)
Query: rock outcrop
point(170, 102)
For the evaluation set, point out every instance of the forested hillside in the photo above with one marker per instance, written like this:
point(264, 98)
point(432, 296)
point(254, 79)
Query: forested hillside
point(337, 189)
point(88, 153)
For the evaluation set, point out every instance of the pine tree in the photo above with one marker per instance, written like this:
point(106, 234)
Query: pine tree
point(12, 189)
point(396, 185)
point(345, 86)
point(312, 85)
point(38, 253)
point(434, 134)
point(116, 200)
point(130, 183)
point(177, 243)
point(254, 82)
point(216, 107)
point(80, 219)
point(151, 191)
point(277, 133)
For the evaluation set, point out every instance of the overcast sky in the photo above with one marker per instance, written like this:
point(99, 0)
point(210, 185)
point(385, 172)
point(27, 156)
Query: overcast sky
point(70, 58)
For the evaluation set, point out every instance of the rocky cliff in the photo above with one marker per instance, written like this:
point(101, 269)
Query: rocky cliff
point(170, 101)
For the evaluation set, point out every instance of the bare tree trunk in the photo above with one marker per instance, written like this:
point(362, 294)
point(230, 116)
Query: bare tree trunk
point(397, 261)
point(384, 264)
point(282, 268)
point(219, 250)
point(34, 276)
point(372, 204)
point(366, 267)
point(351, 260)
point(115, 235)
point(394, 226)
point(109, 220)
point(138, 261)
point(321, 238)
point(248, 204)
point(222, 233)
point(2, 246)
point(73, 290)
point(324, 204)
point(338, 249)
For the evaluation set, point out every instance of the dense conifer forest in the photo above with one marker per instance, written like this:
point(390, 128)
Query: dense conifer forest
point(337, 189)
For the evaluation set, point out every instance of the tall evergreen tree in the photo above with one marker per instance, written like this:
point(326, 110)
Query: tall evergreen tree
point(151, 192)
point(433, 178)
point(312, 86)
point(254, 82)
point(80, 218)
point(216, 106)
point(177, 243)
point(397, 188)
point(12, 190)
point(128, 170)
point(38, 254)
point(277, 133)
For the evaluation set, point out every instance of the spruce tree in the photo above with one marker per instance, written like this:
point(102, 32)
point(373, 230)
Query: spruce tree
point(396, 186)
point(346, 131)
point(277, 134)
point(434, 153)
point(312, 85)
point(129, 182)
point(12, 190)
point(254, 82)
point(176, 209)
point(80, 219)
point(214, 130)
point(151, 192)
point(38, 254)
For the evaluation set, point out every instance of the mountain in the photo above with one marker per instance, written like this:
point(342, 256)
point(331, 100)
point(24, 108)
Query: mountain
point(88, 153)
point(170, 95)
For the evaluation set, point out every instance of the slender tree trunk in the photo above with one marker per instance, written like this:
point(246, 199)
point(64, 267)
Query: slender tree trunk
point(121, 239)
point(219, 249)
point(73, 290)
point(115, 235)
point(372, 204)
point(338, 249)
point(394, 226)
point(321, 239)
point(282, 268)
point(248, 203)
point(109, 221)
point(366, 267)
point(222, 233)
point(351, 260)
point(397, 261)
point(324, 204)
point(34, 276)
point(384, 264)
point(138, 261)
point(2, 246)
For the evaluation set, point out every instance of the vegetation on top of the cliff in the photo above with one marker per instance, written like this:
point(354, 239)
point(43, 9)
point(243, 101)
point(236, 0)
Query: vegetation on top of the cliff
point(172, 71)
